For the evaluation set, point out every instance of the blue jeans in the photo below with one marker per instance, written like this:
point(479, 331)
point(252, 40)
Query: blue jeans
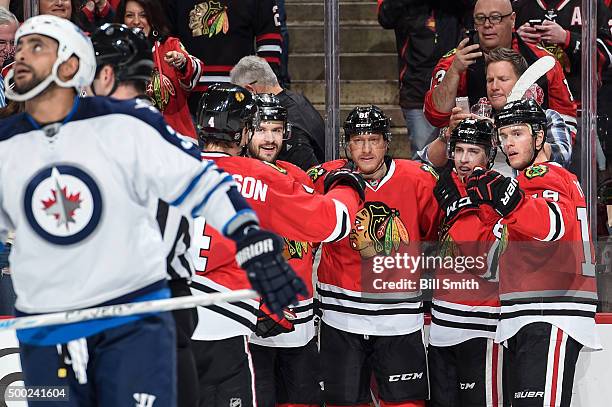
point(420, 131)
point(7, 295)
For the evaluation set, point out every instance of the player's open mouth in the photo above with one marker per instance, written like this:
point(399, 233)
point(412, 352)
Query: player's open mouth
point(20, 71)
point(269, 148)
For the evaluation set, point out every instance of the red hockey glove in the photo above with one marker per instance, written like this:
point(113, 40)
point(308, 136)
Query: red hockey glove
point(269, 324)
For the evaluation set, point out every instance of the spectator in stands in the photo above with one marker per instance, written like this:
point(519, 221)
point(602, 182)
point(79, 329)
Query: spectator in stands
point(461, 71)
point(8, 26)
point(306, 145)
point(559, 30)
point(176, 72)
point(424, 31)
point(221, 32)
point(97, 13)
point(503, 68)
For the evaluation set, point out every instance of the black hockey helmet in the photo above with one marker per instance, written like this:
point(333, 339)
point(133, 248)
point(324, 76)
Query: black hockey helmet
point(224, 111)
point(526, 111)
point(127, 50)
point(474, 131)
point(368, 119)
point(269, 108)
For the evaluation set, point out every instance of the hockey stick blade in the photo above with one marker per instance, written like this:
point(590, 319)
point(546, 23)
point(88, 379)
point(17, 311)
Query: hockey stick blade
point(538, 69)
point(121, 310)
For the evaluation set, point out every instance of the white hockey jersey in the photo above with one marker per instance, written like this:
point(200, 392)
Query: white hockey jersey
point(79, 196)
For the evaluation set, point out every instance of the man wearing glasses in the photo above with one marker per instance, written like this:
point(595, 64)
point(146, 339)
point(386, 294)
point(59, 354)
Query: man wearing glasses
point(461, 71)
point(8, 26)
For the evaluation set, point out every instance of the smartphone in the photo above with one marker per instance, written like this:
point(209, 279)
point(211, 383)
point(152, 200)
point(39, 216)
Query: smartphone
point(463, 102)
point(535, 22)
point(472, 35)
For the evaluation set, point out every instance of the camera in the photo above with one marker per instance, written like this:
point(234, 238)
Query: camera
point(472, 35)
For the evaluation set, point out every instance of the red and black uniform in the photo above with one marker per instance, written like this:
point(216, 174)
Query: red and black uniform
point(557, 95)
point(275, 196)
point(368, 326)
point(547, 287)
point(170, 87)
point(286, 365)
point(568, 14)
point(221, 32)
point(465, 365)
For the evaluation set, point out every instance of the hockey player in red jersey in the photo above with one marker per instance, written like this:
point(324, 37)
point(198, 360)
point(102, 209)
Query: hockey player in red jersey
point(367, 329)
point(286, 365)
point(547, 286)
point(465, 364)
point(224, 362)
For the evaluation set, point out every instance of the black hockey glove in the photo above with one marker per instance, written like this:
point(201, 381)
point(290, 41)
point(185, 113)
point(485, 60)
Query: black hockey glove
point(260, 253)
point(345, 176)
point(502, 193)
point(270, 324)
point(449, 199)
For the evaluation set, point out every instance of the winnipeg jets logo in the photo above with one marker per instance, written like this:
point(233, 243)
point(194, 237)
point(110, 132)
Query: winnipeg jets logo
point(63, 204)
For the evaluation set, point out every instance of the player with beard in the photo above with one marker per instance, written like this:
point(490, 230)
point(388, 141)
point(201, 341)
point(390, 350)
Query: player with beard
point(226, 120)
point(286, 365)
point(84, 176)
point(547, 277)
point(367, 329)
point(465, 365)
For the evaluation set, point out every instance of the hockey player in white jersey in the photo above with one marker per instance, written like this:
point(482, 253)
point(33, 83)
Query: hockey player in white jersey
point(77, 180)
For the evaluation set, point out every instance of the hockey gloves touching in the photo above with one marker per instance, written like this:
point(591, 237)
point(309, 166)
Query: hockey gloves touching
point(448, 196)
point(269, 324)
point(492, 188)
point(345, 176)
point(260, 253)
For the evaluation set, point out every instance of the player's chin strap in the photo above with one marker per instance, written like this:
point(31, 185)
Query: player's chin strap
point(36, 90)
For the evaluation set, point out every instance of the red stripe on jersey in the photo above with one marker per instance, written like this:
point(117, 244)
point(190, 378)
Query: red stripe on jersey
point(494, 368)
point(269, 36)
point(273, 60)
point(218, 68)
point(604, 318)
point(555, 376)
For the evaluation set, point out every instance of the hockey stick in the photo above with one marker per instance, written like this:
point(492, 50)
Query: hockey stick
point(538, 69)
point(121, 310)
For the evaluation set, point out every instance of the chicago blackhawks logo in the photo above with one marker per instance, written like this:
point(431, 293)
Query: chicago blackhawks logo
point(208, 18)
point(430, 170)
point(378, 230)
point(160, 89)
point(276, 167)
point(316, 172)
point(63, 204)
point(294, 249)
point(536, 171)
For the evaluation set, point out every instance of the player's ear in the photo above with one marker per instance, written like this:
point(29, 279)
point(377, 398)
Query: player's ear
point(68, 68)
point(540, 139)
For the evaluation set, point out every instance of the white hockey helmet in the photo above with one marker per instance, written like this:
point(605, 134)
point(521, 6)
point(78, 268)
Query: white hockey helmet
point(71, 41)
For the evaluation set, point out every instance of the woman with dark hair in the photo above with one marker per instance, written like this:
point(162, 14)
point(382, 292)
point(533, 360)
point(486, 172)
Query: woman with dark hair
point(175, 73)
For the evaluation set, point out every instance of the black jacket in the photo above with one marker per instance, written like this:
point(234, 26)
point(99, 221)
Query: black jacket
point(425, 30)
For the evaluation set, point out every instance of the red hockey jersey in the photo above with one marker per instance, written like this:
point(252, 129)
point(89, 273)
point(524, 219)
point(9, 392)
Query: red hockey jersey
point(276, 196)
point(358, 293)
point(465, 301)
point(557, 94)
point(547, 271)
